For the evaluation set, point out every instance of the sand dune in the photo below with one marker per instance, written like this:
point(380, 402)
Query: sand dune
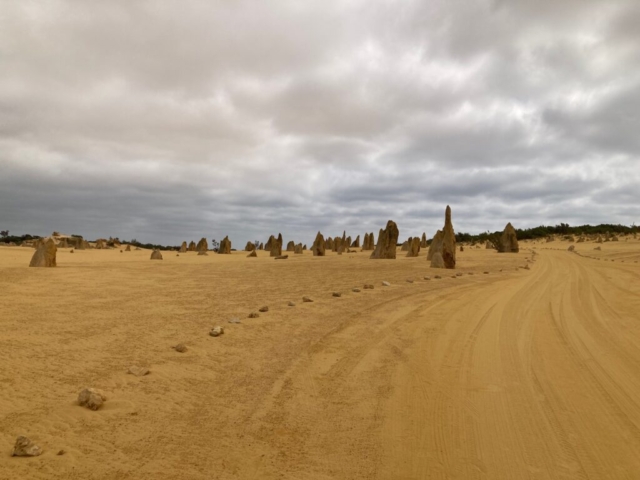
point(514, 374)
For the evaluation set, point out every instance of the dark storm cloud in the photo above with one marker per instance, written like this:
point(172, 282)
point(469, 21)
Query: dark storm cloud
point(168, 120)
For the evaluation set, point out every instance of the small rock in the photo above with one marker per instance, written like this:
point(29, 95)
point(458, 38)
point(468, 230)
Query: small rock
point(336, 294)
point(216, 331)
point(138, 371)
point(459, 274)
point(486, 273)
point(306, 299)
point(61, 452)
point(355, 290)
point(71, 251)
point(91, 398)
point(454, 276)
point(291, 304)
point(25, 448)
point(368, 287)
point(254, 315)
point(526, 267)
point(282, 257)
point(437, 277)
point(263, 309)
point(181, 347)
point(409, 280)
point(234, 320)
point(470, 273)
point(427, 278)
point(386, 284)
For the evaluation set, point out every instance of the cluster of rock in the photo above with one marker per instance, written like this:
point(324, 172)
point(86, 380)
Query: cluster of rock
point(368, 242)
point(442, 251)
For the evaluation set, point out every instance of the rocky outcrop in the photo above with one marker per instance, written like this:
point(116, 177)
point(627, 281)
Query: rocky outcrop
point(253, 254)
point(192, 246)
point(328, 244)
point(250, 247)
point(45, 254)
point(276, 246)
point(437, 261)
point(298, 249)
point(414, 247)
point(291, 246)
point(318, 246)
point(436, 245)
point(387, 240)
point(356, 242)
point(202, 245)
point(448, 241)
point(183, 247)
point(423, 241)
point(156, 255)
point(25, 448)
point(101, 244)
point(508, 240)
point(225, 246)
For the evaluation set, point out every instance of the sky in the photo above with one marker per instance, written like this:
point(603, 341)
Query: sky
point(169, 120)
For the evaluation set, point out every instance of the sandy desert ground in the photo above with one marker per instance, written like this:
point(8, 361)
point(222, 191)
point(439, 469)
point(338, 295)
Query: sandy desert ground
point(515, 374)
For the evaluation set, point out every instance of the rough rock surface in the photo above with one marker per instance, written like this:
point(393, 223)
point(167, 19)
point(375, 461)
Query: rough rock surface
point(508, 240)
point(45, 255)
point(414, 247)
point(216, 331)
point(448, 241)
point(25, 448)
point(183, 247)
point(91, 398)
point(156, 255)
point(437, 261)
point(202, 245)
point(436, 245)
point(225, 246)
point(318, 246)
point(387, 240)
point(291, 246)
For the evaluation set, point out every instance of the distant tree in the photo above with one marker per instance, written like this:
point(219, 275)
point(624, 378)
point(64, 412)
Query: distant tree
point(215, 245)
point(256, 243)
point(4, 233)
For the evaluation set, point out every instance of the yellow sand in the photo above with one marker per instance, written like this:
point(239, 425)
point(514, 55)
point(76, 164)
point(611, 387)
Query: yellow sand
point(512, 375)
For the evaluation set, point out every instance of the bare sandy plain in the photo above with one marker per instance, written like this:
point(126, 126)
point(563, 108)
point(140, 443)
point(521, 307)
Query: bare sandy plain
point(516, 374)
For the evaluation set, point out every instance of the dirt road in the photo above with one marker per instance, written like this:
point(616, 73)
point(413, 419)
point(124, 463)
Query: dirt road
point(528, 374)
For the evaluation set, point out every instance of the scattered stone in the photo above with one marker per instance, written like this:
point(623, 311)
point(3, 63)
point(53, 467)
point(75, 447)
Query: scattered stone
point(409, 280)
point(263, 309)
point(571, 248)
point(254, 315)
point(181, 347)
point(427, 278)
point(138, 371)
point(71, 251)
point(437, 277)
point(253, 254)
point(216, 331)
point(91, 398)
point(526, 267)
point(598, 248)
point(25, 448)
point(355, 290)
point(203, 253)
point(387, 241)
point(61, 452)
point(386, 284)
point(459, 274)
point(291, 304)
point(234, 320)
point(45, 254)
point(156, 255)
point(282, 257)
point(306, 299)
point(336, 294)
point(368, 286)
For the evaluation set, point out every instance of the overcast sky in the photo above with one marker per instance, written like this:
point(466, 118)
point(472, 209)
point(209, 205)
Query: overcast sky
point(172, 120)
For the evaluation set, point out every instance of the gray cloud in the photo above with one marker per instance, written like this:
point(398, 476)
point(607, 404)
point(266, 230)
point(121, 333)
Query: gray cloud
point(166, 121)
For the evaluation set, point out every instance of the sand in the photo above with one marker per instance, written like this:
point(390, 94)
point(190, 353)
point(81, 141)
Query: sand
point(515, 374)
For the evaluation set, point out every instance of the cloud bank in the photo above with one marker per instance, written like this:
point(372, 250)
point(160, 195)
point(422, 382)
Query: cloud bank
point(169, 121)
